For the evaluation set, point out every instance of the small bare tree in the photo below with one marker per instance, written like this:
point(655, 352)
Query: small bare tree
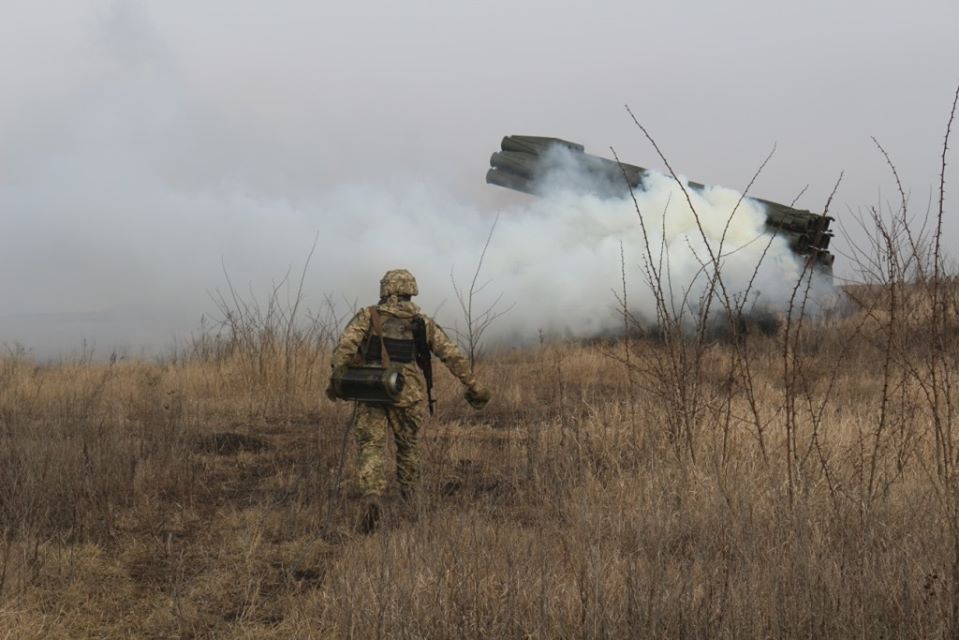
point(477, 322)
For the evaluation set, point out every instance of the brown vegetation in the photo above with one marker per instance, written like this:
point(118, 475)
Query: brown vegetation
point(802, 484)
point(184, 498)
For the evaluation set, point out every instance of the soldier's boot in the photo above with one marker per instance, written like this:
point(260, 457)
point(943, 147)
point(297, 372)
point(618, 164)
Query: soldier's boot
point(409, 506)
point(370, 519)
point(407, 476)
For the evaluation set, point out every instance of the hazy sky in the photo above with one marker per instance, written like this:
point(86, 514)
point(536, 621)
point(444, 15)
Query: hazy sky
point(143, 144)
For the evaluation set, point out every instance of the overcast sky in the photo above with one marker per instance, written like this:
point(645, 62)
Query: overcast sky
point(144, 144)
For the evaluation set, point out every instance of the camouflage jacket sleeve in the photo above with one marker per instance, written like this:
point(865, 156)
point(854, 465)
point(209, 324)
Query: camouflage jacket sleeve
point(353, 337)
point(451, 355)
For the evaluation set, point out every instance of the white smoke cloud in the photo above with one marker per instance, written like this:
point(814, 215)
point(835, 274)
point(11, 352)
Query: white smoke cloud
point(122, 203)
point(560, 258)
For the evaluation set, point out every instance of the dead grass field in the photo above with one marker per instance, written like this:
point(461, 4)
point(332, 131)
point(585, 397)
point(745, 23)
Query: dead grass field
point(807, 490)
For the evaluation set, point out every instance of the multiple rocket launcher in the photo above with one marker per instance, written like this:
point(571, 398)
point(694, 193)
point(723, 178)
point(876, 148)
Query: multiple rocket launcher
point(522, 162)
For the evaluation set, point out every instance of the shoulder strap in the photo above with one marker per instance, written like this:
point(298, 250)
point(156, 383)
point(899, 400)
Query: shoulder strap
point(424, 356)
point(376, 321)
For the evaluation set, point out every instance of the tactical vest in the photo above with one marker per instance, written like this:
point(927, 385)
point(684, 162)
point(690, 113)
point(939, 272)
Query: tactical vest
point(397, 339)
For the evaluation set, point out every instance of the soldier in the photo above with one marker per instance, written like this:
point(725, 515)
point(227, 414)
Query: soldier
point(397, 331)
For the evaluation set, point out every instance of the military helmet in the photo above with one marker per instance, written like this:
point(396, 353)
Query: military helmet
point(398, 282)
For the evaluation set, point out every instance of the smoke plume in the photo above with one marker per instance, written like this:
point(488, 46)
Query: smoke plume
point(126, 199)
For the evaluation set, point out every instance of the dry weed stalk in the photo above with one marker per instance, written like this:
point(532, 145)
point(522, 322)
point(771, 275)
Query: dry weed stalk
point(477, 323)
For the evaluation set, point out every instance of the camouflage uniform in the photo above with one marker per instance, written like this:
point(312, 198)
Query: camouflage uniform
point(375, 421)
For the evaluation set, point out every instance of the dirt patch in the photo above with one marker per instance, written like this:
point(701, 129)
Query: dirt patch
point(228, 443)
point(473, 481)
point(309, 577)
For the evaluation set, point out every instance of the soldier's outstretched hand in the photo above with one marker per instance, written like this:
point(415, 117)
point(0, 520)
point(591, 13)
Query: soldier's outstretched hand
point(478, 397)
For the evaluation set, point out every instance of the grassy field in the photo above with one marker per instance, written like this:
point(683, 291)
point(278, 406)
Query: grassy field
point(798, 484)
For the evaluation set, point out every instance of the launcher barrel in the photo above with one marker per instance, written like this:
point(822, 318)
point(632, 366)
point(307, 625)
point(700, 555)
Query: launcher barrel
point(524, 162)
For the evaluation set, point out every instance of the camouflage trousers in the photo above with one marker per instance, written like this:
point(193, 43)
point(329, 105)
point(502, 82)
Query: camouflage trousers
point(373, 424)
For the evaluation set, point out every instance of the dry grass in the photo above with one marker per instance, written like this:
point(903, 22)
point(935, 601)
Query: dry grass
point(184, 498)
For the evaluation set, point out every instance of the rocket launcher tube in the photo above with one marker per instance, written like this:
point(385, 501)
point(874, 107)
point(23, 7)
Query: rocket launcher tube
point(369, 384)
point(521, 162)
